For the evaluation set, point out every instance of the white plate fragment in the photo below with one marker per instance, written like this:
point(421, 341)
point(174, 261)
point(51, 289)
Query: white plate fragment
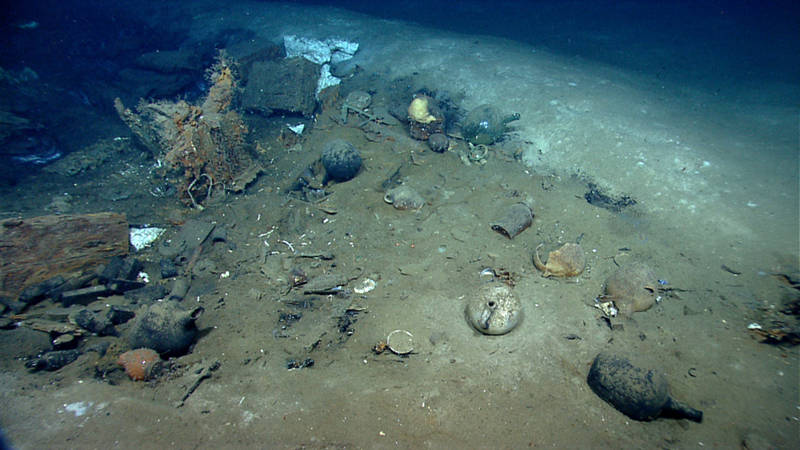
point(327, 52)
point(143, 237)
point(366, 285)
point(400, 342)
point(297, 129)
point(78, 408)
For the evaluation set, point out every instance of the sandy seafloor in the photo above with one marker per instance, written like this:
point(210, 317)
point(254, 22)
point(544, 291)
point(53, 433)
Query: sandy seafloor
point(715, 175)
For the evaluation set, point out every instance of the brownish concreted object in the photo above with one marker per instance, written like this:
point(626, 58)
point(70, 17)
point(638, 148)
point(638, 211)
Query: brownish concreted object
point(632, 288)
point(39, 248)
point(202, 144)
point(567, 261)
point(517, 219)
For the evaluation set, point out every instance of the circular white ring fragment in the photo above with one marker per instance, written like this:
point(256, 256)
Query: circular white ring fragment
point(366, 285)
point(400, 342)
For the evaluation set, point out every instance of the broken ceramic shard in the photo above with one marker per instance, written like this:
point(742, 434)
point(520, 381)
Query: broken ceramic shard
point(632, 288)
point(516, 220)
point(567, 261)
point(142, 237)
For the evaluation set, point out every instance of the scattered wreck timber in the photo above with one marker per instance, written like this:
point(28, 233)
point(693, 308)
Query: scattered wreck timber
point(39, 248)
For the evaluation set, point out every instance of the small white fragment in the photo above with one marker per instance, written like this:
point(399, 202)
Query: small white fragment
point(144, 277)
point(752, 204)
point(487, 274)
point(366, 285)
point(326, 79)
point(297, 129)
point(78, 408)
point(754, 326)
point(608, 308)
point(142, 237)
point(225, 274)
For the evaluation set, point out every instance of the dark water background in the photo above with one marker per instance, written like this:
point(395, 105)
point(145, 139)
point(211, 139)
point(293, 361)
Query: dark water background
point(730, 48)
point(692, 41)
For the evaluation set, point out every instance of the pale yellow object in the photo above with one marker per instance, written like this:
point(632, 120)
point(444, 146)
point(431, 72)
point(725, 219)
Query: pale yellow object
point(418, 110)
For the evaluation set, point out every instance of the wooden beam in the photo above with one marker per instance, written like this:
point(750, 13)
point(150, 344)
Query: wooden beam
point(38, 248)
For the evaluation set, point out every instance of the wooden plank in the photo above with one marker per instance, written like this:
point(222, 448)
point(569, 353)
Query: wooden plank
point(35, 249)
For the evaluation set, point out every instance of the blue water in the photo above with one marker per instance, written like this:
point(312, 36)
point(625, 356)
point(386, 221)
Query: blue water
point(706, 42)
point(81, 47)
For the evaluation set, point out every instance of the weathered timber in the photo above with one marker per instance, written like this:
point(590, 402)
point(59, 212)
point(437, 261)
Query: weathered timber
point(39, 248)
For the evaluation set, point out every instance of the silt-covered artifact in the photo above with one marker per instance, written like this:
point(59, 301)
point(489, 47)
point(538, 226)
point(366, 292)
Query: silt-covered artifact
point(638, 393)
point(200, 146)
point(485, 125)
